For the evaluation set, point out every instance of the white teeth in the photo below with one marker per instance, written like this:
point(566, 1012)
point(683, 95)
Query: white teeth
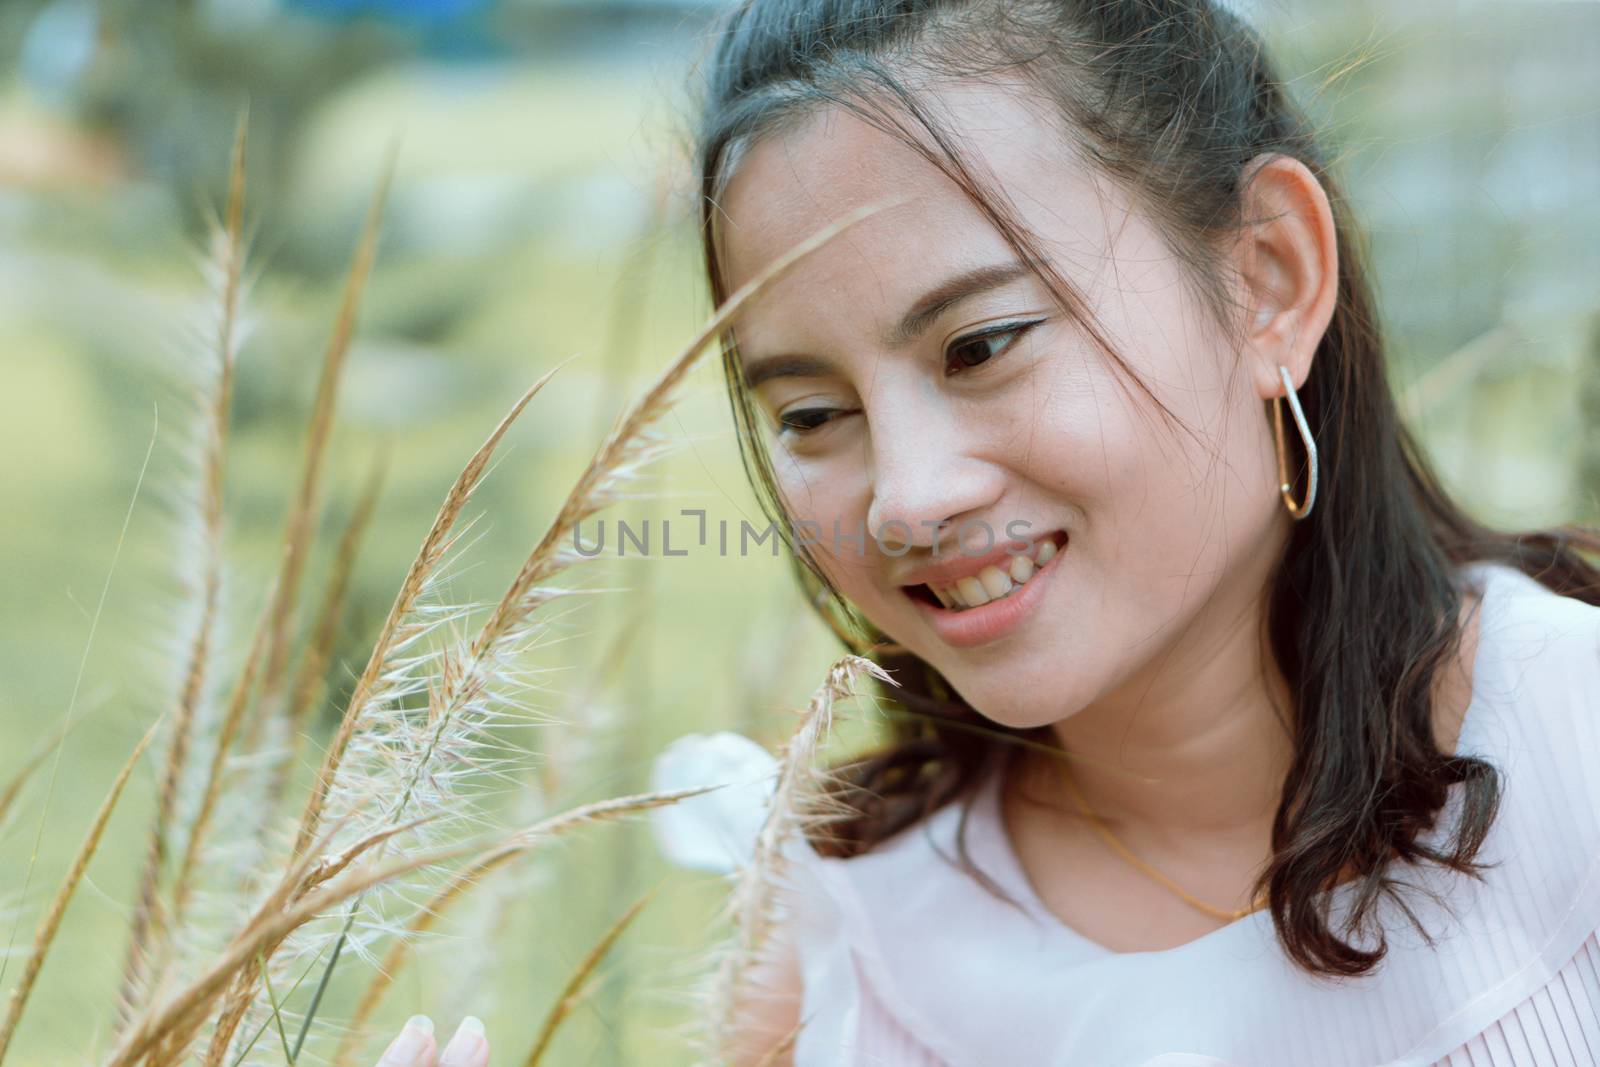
point(1021, 569)
point(995, 582)
point(992, 582)
point(972, 592)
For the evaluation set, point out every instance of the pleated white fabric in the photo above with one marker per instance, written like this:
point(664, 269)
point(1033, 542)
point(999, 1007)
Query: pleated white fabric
point(908, 961)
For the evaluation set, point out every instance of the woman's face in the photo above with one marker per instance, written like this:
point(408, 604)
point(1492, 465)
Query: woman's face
point(990, 412)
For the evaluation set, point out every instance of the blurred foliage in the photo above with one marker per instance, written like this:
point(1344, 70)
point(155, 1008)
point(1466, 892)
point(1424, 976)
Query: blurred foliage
point(540, 210)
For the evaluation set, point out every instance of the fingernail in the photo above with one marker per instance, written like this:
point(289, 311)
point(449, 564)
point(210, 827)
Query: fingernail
point(407, 1047)
point(466, 1043)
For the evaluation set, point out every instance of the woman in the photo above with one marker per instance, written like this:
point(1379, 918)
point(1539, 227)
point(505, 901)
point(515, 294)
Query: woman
point(1267, 753)
point(1269, 645)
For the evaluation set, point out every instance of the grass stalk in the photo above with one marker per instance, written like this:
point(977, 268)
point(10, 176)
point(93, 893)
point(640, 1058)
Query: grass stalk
point(396, 627)
point(77, 684)
point(796, 802)
point(470, 876)
point(572, 994)
point(313, 887)
point(302, 512)
point(277, 1012)
point(184, 1012)
point(308, 682)
point(234, 717)
point(148, 929)
point(45, 936)
point(261, 962)
point(624, 448)
point(19, 780)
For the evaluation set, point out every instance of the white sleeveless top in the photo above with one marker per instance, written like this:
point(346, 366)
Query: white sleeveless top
point(908, 961)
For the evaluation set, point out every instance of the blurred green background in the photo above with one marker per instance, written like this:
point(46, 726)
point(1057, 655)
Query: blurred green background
point(541, 209)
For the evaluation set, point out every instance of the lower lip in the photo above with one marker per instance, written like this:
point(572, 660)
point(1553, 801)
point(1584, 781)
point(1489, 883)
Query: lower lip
point(971, 627)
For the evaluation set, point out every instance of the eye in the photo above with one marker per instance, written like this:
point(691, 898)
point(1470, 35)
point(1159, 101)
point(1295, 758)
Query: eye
point(974, 349)
point(805, 420)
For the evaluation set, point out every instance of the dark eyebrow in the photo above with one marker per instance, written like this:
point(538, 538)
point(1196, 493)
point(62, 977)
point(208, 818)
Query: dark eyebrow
point(947, 294)
point(912, 325)
point(768, 367)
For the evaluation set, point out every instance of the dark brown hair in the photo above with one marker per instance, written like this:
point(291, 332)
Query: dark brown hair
point(1172, 99)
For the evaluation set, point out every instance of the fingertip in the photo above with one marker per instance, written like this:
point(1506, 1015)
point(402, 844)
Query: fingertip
point(414, 1046)
point(483, 1042)
point(469, 1047)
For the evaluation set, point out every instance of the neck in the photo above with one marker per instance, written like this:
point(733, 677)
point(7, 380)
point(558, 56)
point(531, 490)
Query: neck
point(1198, 746)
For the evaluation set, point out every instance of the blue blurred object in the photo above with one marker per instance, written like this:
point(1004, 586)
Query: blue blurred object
point(406, 10)
point(57, 48)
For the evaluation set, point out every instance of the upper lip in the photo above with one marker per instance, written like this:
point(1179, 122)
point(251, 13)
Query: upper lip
point(958, 564)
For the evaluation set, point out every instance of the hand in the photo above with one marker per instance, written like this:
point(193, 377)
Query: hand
point(415, 1046)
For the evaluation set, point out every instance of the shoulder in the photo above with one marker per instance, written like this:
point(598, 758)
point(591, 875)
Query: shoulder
point(1534, 599)
point(1535, 704)
point(768, 1002)
point(1543, 647)
point(875, 934)
point(908, 861)
point(943, 888)
point(886, 871)
point(1535, 716)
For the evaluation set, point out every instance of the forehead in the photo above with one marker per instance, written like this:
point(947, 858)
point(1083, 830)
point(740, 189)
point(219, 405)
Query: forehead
point(791, 184)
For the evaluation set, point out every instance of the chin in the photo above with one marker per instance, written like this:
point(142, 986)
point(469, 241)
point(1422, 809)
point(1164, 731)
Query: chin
point(999, 692)
point(1017, 706)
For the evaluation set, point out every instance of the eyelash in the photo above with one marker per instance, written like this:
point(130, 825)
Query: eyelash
point(1006, 329)
point(1002, 330)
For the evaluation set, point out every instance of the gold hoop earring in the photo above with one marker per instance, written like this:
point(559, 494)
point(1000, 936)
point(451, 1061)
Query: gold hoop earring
point(1285, 487)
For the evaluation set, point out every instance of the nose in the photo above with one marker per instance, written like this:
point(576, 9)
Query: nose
point(926, 479)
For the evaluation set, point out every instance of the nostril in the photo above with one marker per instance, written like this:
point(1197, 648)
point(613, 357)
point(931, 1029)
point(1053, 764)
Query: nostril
point(898, 537)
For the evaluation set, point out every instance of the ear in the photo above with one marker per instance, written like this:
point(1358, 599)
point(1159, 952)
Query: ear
point(1288, 264)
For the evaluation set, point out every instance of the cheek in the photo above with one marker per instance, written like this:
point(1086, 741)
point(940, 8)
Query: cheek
point(1152, 496)
point(816, 490)
point(824, 496)
point(1076, 437)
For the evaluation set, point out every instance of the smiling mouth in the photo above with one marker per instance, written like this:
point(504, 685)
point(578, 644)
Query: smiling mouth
point(993, 582)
